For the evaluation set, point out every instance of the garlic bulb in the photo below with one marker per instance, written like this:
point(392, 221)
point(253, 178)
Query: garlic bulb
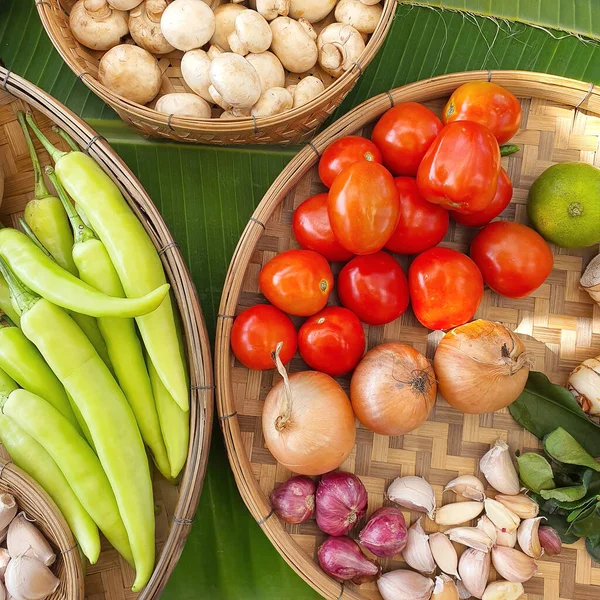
point(512, 564)
point(404, 585)
point(503, 590)
point(472, 537)
point(413, 493)
point(417, 553)
point(488, 528)
point(24, 538)
point(499, 470)
point(28, 579)
point(459, 512)
point(8, 510)
point(523, 506)
point(503, 518)
point(529, 539)
point(467, 486)
point(444, 553)
point(474, 569)
point(445, 589)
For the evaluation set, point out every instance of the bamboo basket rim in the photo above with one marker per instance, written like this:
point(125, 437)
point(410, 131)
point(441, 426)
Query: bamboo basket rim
point(575, 93)
point(239, 125)
point(196, 336)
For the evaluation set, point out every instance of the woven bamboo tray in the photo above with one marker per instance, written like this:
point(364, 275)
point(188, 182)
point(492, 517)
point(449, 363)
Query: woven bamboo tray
point(111, 577)
point(559, 324)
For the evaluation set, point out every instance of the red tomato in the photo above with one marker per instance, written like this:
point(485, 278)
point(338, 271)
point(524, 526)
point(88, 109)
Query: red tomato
point(363, 207)
point(487, 104)
point(256, 333)
point(374, 288)
point(446, 288)
point(421, 225)
point(460, 169)
point(501, 200)
point(313, 231)
point(332, 341)
point(297, 282)
point(514, 259)
point(403, 134)
point(344, 152)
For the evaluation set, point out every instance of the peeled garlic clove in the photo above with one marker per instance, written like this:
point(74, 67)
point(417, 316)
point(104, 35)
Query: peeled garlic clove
point(488, 528)
point(467, 486)
point(504, 519)
point(417, 553)
point(474, 570)
point(512, 564)
point(473, 537)
point(413, 493)
point(499, 470)
point(459, 512)
point(529, 539)
point(550, 540)
point(4, 560)
point(444, 553)
point(27, 578)
point(523, 506)
point(503, 590)
point(25, 538)
point(404, 585)
point(509, 540)
point(444, 589)
point(8, 510)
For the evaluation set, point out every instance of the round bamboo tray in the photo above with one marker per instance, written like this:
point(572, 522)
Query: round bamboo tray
point(291, 127)
point(111, 577)
point(38, 506)
point(559, 323)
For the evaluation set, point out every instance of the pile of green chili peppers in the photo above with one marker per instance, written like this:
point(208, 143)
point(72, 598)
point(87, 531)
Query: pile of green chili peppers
point(92, 369)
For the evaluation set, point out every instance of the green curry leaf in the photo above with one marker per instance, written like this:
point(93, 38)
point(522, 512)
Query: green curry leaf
point(587, 523)
point(535, 472)
point(572, 493)
point(592, 545)
point(564, 448)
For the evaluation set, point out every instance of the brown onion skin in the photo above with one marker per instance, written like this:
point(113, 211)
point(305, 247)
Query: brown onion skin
point(393, 389)
point(321, 431)
point(294, 500)
point(385, 533)
point(481, 367)
point(342, 558)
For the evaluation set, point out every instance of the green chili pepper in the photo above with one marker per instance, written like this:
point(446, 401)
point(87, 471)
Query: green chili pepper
point(124, 347)
point(30, 456)
point(104, 407)
point(6, 303)
point(132, 253)
point(45, 214)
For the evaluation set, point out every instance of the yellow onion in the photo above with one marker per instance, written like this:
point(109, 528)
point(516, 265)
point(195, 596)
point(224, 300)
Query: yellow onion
point(307, 421)
point(481, 367)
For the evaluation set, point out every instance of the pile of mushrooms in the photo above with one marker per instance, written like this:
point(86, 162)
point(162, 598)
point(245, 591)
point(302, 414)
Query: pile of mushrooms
point(238, 61)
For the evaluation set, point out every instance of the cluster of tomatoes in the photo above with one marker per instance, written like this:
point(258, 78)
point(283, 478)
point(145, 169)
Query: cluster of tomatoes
point(397, 192)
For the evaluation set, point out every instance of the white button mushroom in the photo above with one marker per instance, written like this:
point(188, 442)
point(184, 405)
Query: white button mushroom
point(183, 105)
point(131, 72)
point(312, 10)
point(144, 26)
point(252, 33)
point(225, 24)
point(195, 70)
point(96, 25)
point(294, 44)
point(124, 4)
point(272, 102)
point(339, 47)
point(269, 68)
point(361, 16)
point(370, 2)
point(214, 4)
point(235, 82)
point(271, 9)
point(306, 89)
point(188, 24)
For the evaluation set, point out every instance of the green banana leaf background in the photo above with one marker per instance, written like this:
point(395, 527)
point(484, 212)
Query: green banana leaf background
point(227, 556)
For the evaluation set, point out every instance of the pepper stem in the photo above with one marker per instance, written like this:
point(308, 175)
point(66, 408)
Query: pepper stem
point(34, 238)
point(82, 232)
point(22, 295)
point(6, 321)
point(65, 136)
point(40, 190)
point(286, 413)
point(54, 152)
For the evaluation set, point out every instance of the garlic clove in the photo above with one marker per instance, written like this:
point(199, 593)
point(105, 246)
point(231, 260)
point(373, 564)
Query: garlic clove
point(503, 590)
point(404, 585)
point(444, 553)
point(529, 539)
point(467, 486)
point(488, 528)
point(473, 537)
point(413, 493)
point(459, 512)
point(513, 565)
point(499, 470)
point(29, 579)
point(503, 518)
point(417, 553)
point(3, 592)
point(550, 540)
point(474, 570)
point(8, 510)
point(444, 589)
point(509, 540)
point(25, 538)
point(523, 506)
point(463, 592)
point(4, 560)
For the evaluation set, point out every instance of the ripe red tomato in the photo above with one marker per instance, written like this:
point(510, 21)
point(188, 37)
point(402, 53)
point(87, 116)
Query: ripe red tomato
point(344, 152)
point(487, 104)
point(460, 169)
point(446, 288)
point(421, 225)
point(313, 231)
point(256, 333)
point(332, 341)
point(514, 259)
point(374, 288)
point(501, 200)
point(363, 207)
point(297, 282)
point(403, 134)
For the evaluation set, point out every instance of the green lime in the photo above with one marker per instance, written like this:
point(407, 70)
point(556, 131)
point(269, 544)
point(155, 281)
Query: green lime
point(564, 205)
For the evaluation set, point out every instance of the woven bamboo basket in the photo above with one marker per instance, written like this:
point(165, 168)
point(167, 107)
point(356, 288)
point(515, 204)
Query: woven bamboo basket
point(111, 577)
point(291, 127)
point(559, 323)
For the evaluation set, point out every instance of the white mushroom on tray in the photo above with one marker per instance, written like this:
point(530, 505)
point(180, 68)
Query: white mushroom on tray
point(244, 58)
